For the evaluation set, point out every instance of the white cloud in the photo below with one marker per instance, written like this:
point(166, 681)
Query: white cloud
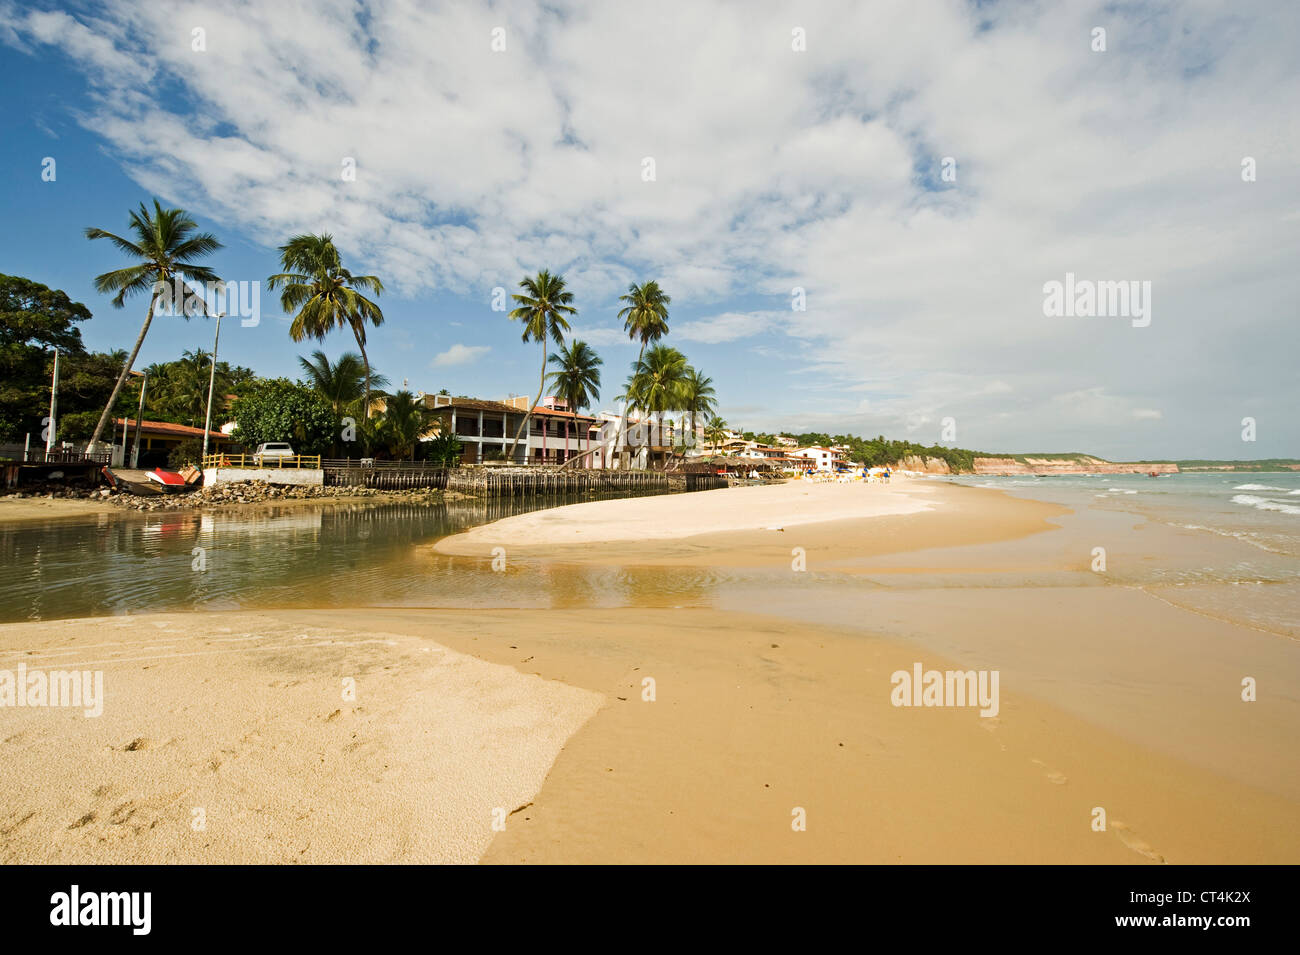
point(728, 327)
point(775, 169)
point(459, 355)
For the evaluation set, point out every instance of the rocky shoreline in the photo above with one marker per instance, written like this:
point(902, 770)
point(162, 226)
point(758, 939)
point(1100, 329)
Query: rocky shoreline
point(235, 493)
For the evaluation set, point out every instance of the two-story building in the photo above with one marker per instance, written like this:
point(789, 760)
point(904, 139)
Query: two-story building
point(487, 428)
point(824, 459)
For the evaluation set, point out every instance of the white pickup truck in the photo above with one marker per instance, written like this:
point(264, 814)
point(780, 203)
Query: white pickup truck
point(271, 451)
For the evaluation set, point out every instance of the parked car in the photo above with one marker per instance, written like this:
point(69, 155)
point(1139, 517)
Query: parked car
point(271, 451)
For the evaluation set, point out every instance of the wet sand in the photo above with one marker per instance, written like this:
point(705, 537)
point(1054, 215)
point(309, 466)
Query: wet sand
point(17, 509)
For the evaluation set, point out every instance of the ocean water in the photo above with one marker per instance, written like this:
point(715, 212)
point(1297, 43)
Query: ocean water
point(1259, 509)
point(1231, 541)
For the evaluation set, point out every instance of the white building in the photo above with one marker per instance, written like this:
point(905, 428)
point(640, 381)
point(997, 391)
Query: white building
point(824, 459)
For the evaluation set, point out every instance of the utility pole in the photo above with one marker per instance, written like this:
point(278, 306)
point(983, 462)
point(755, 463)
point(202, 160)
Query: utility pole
point(54, 406)
point(139, 415)
point(212, 379)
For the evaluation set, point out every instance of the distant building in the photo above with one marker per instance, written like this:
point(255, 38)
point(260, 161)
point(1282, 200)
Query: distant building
point(823, 459)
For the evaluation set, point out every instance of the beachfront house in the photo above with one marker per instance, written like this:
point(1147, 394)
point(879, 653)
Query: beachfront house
point(486, 428)
point(158, 439)
point(823, 459)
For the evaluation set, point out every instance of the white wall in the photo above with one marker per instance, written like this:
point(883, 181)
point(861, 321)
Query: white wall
point(298, 477)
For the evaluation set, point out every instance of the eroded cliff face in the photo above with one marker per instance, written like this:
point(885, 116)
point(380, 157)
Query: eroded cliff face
point(1083, 465)
point(916, 462)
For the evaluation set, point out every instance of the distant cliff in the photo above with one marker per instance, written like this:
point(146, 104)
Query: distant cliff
point(1067, 464)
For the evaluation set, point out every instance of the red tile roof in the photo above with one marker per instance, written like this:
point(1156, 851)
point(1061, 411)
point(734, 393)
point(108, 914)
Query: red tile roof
point(166, 427)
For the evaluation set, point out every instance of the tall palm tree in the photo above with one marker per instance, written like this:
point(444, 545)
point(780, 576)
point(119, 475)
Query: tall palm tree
point(697, 396)
point(341, 383)
point(542, 309)
point(656, 383)
point(715, 431)
point(326, 296)
point(166, 244)
point(645, 317)
point(578, 378)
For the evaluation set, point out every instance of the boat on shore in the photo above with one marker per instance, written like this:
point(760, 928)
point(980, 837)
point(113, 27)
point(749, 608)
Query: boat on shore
point(151, 482)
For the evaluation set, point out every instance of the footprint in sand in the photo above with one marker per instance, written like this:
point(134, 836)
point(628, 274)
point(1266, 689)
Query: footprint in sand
point(123, 812)
point(1134, 842)
point(1053, 776)
point(11, 827)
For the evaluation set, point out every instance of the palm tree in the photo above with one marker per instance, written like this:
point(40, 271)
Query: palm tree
point(656, 383)
point(405, 419)
point(166, 245)
point(715, 431)
point(326, 296)
point(178, 390)
point(645, 316)
point(697, 396)
point(542, 308)
point(578, 378)
point(342, 383)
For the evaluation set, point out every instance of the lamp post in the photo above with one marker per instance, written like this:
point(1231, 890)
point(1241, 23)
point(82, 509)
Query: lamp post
point(212, 379)
point(54, 408)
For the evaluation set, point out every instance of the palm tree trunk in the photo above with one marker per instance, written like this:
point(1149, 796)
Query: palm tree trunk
point(541, 386)
point(365, 361)
point(622, 456)
point(121, 379)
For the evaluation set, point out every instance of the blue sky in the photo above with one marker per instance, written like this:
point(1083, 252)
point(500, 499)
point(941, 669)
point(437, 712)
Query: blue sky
point(775, 168)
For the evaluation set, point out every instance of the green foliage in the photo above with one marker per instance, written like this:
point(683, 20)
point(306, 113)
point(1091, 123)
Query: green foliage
point(878, 451)
point(281, 410)
point(404, 420)
point(178, 390)
point(34, 320)
point(35, 316)
point(445, 449)
point(188, 451)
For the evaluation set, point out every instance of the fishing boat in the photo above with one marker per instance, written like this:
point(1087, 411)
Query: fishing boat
point(152, 482)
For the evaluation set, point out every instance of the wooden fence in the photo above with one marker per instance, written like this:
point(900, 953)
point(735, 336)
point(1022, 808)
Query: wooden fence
point(391, 476)
point(38, 455)
point(537, 481)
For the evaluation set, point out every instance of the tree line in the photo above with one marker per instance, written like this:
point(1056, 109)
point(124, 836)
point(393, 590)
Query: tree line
point(337, 405)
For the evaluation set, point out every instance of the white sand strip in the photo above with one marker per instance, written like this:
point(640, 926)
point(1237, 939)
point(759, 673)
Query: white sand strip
point(666, 517)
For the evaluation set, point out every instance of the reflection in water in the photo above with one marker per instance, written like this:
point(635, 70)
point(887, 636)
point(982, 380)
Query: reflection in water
point(345, 554)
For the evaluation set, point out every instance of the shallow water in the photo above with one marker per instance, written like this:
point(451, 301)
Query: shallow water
point(1223, 544)
point(329, 555)
point(1181, 538)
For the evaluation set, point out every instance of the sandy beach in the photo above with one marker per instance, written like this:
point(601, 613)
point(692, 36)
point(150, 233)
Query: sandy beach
point(766, 702)
point(672, 517)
